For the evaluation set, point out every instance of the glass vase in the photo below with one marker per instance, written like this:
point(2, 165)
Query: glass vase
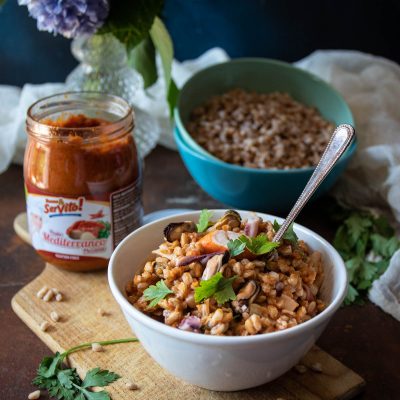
point(104, 68)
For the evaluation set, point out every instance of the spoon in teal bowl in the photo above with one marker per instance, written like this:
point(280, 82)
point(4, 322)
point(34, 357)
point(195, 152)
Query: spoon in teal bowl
point(339, 142)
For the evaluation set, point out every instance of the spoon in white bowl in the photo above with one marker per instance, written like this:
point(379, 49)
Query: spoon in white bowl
point(339, 142)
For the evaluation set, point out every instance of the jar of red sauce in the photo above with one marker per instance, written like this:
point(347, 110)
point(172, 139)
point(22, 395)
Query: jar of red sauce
point(82, 178)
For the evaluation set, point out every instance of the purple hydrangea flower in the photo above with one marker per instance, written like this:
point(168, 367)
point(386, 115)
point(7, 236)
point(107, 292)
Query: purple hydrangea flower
point(69, 18)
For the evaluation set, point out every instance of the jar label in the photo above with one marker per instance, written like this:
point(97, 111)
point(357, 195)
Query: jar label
point(76, 228)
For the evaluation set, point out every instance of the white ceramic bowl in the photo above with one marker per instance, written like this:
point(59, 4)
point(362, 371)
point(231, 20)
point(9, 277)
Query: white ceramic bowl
point(221, 362)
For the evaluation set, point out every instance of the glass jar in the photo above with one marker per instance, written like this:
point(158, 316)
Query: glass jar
point(82, 178)
point(104, 67)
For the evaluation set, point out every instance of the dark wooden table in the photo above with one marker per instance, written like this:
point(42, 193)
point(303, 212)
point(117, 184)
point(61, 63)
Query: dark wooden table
point(362, 337)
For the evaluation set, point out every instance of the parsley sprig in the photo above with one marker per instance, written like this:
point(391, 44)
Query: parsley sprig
point(204, 220)
point(156, 293)
point(289, 235)
point(258, 245)
point(65, 383)
point(366, 242)
point(218, 287)
point(236, 247)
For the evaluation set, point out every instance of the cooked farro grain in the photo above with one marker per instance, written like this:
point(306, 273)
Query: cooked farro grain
point(272, 291)
point(260, 130)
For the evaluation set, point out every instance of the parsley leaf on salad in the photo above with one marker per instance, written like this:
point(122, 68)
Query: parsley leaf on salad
point(156, 293)
point(289, 235)
point(259, 245)
point(218, 287)
point(204, 220)
point(236, 247)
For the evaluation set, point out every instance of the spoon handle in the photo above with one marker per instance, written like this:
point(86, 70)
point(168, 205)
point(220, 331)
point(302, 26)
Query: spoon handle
point(338, 143)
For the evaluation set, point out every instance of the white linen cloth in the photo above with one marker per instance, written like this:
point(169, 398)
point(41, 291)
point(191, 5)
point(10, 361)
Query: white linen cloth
point(370, 85)
point(385, 291)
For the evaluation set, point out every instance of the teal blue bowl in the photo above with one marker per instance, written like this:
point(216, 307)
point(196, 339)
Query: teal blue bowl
point(266, 190)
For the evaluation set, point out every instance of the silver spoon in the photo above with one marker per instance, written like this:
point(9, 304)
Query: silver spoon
point(337, 145)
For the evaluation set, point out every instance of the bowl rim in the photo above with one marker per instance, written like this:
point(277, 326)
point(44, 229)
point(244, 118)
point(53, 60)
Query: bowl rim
point(150, 323)
point(255, 60)
point(260, 171)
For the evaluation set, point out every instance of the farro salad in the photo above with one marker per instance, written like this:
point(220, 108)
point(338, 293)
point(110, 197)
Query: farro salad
point(228, 277)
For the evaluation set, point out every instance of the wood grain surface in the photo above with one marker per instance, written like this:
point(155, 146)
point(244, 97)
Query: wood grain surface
point(362, 337)
point(85, 293)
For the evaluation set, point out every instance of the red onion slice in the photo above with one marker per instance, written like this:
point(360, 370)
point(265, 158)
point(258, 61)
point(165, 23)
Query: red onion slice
point(190, 324)
point(251, 227)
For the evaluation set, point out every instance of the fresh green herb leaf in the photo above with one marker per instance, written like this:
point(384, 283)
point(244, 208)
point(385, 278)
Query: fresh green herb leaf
point(383, 227)
point(204, 220)
point(65, 383)
point(156, 293)
point(353, 265)
point(218, 287)
point(49, 365)
point(225, 291)
point(102, 395)
point(207, 288)
point(384, 247)
point(259, 245)
point(289, 235)
point(366, 243)
point(357, 224)
point(352, 294)
point(236, 247)
point(67, 378)
point(98, 377)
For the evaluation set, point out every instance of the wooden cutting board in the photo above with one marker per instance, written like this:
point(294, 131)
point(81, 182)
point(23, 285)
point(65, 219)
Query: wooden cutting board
point(80, 322)
point(85, 293)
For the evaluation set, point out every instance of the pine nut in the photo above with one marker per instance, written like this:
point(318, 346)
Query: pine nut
point(102, 312)
point(54, 316)
point(131, 386)
point(42, 292)
point(301, 369)
point(316, 367)
point(97, 347)
point(34, 395)
point(49, 295)
point(44, 326)
point(59, 297)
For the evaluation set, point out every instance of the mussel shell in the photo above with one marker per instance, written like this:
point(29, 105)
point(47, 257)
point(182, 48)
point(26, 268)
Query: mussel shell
point(231, 218)
point(249, 291)
point(174, 230)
